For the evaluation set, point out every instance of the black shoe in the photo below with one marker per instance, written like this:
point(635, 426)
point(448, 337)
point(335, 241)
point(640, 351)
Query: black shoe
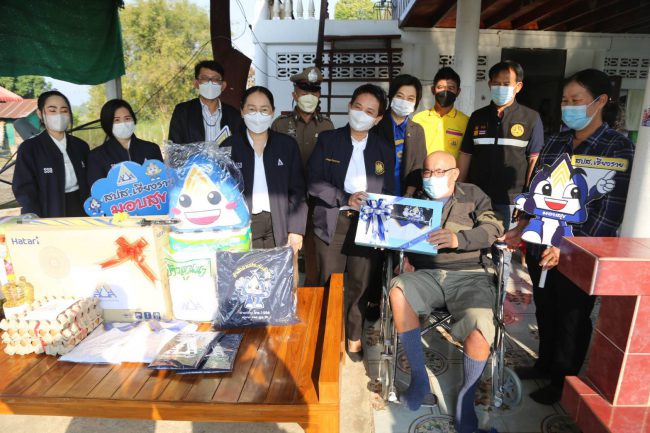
point(548, 395)
point(301, 263)
point(372, 312)
point(429, 400)
point(354, 356)
point(530, 373)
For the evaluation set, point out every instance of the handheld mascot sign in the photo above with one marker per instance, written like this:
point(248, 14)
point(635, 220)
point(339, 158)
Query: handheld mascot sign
point(559, 194)
point(137, 189)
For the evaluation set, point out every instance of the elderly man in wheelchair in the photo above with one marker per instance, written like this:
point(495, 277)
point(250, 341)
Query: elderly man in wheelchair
point(456, 278)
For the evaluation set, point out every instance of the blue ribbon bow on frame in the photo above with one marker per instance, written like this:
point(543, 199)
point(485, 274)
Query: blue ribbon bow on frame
point(376, 213)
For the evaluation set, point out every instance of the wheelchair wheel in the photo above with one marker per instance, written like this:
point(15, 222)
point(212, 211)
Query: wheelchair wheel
point(386, 374)
point(512, 391)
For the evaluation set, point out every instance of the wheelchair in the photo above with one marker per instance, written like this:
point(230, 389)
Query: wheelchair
point(506, 386)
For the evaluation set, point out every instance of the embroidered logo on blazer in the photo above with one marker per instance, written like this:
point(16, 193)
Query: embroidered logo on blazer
point(379, 167)
point(280, 162)
point(48, 170)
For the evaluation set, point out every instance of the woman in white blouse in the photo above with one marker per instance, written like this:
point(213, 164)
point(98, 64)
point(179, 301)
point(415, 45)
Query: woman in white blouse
point(274, 184)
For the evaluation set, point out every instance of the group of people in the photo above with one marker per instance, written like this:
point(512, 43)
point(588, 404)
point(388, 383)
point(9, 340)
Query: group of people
point(305, 181)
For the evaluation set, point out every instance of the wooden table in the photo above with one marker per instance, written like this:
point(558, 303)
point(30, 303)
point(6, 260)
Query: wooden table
point(282, 374)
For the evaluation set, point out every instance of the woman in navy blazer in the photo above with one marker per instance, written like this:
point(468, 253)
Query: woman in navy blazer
point(50, 174)
point(274, 184)
point(347, 163)
point(118, 122)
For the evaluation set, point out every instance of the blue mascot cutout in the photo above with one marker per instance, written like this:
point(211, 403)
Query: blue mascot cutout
point(558, 195)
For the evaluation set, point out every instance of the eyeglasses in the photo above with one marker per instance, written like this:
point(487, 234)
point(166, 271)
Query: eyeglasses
point(437, 172)
point(210, 80)
point(253, 110)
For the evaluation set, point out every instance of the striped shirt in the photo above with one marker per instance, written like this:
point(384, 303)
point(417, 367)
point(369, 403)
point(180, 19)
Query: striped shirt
point(211, 122)
point(604, 215)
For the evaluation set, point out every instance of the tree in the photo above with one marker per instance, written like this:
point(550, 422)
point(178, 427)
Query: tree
point(160, 38)
point(27, 86)
point(354, 10)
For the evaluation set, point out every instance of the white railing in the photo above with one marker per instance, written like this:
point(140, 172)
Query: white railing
point(292, 9)
point(400, 6)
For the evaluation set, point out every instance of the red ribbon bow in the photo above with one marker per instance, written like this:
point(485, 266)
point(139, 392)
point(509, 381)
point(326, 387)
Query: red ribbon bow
point(130, 251)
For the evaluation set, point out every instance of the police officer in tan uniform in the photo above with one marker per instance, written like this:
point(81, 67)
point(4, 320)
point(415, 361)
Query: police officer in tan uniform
point(304, 123)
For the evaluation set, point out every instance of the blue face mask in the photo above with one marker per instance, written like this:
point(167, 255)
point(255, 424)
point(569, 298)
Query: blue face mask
point(501, 95)
point(575, 116)
point(435, 187)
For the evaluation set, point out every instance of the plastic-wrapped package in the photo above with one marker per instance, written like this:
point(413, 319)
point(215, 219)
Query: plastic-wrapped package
point(185, 351)
point(50, 325)
point(255, 288)
point(212, 241)
point(192, 285)
point(207, 188)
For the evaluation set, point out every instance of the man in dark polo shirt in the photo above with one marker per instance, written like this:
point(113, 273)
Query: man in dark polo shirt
point(502, 141)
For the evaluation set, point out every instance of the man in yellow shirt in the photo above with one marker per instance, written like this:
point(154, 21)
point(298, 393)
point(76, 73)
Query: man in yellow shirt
point(444, 125)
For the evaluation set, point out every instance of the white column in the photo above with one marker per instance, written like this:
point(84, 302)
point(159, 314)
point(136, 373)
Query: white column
point(299, 10)
point(261, 65)
point(288, 9)
point(468, 20)
point(637, 207)
point(114, 89)
point(311, 9)
point(275, 13)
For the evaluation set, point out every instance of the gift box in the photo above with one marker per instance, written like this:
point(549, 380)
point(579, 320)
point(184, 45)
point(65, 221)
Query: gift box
point(398, 223)
point(120, 264)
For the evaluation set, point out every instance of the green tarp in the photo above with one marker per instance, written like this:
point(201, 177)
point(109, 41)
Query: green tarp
point(78, 41)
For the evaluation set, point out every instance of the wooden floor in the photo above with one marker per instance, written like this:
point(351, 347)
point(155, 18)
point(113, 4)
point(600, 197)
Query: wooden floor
point(282, 374)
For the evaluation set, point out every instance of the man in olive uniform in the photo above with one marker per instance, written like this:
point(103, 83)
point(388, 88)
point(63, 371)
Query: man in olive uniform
point(304, 123)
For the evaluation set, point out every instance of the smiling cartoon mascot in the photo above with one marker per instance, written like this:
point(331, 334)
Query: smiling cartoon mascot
point(558, 196)
point(206, 197)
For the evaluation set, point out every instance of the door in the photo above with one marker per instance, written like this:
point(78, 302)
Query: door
point(543, 82)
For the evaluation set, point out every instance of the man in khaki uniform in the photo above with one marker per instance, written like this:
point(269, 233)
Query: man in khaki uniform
point(304, 123)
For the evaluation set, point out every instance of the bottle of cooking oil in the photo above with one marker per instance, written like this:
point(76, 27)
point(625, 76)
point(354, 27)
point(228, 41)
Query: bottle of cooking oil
point(18, 295)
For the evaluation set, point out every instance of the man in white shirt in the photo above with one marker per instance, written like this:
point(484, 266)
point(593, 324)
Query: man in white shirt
point(202, 118)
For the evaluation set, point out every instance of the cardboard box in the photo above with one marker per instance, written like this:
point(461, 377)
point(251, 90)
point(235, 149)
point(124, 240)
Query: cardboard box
point(122, 265)
point(398, 223)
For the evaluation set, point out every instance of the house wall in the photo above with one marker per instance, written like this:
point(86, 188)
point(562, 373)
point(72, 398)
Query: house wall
point(289, 45)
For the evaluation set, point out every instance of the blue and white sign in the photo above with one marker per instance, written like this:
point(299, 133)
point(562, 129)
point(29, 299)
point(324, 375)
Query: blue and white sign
point(398, 223)
point(137, 189)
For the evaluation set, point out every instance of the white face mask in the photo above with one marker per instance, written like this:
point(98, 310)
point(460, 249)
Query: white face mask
point(258, 122)
point(402, 107)
point(123, 130)
point(210, 90)
point(360, 121)
point(308, 103)
point(57, 122)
